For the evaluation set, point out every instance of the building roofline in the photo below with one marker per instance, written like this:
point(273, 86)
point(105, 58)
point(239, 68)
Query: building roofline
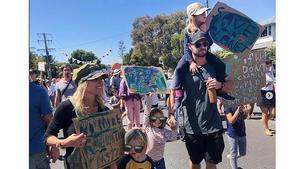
point(268, 21)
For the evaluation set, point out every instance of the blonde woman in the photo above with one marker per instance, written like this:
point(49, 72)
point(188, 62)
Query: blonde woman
point(87, 99)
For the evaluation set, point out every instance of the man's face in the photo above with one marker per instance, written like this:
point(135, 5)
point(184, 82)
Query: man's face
point(199, 49)
point(33, 77)
point(67, 72)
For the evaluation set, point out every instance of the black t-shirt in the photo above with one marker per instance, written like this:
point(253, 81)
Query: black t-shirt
point(63, 120)
point(239, 127)
point(200, 117)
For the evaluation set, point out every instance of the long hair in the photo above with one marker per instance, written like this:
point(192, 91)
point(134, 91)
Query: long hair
point(191, 25)
point(78, 97)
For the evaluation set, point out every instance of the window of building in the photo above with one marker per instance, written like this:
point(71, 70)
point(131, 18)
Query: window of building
point(270, 31)
point(264, 33)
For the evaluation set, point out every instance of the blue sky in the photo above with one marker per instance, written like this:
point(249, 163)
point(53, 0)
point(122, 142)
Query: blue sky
point(98, 25)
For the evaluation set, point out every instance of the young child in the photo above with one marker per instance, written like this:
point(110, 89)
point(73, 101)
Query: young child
point(196, 22)
point(236, 132)
point(158, 135)
point(115, 98)
point(135, 147)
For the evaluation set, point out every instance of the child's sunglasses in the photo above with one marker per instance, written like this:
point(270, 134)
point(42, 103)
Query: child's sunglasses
point(161, 119)
point(137, 148)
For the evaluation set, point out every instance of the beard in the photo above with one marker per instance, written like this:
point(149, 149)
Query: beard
point(201, 53)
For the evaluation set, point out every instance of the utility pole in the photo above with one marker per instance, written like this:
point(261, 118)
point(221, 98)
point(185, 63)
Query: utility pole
point(48, 59)
point(207, 7)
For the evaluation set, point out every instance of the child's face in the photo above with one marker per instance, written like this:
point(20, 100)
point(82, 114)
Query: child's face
point(200, 18)
point(137, 149)
point(115, 93)
point(157, 120)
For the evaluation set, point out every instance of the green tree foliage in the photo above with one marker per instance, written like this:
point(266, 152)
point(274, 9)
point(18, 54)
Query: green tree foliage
point(34, 59)
point(158, 38)
point(81, 57)
point(127, 57)
point(223, 53)
point(271, 52)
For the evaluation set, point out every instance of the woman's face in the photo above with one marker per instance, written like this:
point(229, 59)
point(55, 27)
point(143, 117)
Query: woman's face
point(95, 87)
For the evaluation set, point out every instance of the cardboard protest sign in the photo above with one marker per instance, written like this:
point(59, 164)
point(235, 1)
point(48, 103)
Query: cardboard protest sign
point(232, 30)
point(143, 80)
point(249, 76)
point(105, 138)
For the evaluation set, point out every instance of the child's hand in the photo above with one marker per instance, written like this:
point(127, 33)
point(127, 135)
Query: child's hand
point(194, 67)
point(172, 122)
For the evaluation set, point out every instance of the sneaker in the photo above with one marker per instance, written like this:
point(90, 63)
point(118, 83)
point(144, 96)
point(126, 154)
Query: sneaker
point(229, 156)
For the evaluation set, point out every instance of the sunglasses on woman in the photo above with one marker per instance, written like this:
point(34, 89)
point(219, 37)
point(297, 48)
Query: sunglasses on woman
point(201, 44)
point(161, 119)
point(137, 148)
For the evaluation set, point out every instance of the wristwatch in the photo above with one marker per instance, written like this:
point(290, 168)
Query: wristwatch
point(59, 145)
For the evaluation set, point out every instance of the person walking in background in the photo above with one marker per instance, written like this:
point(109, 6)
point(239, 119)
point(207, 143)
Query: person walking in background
point(267, 100)
point(40, 115)
point(132, 104)
point(65, 87)
point(236, 132)
point(115, 79)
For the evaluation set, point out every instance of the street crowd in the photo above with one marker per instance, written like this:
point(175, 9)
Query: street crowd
point(197, 86)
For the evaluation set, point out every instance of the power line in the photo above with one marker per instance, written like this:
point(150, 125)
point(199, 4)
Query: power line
point(95, 41)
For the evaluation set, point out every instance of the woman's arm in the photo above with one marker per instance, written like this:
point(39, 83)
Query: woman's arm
point(147, 109)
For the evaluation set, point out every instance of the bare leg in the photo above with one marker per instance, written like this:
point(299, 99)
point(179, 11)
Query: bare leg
point(265, 120)
point(194, 166)
point(273, 113)
point(210, 165)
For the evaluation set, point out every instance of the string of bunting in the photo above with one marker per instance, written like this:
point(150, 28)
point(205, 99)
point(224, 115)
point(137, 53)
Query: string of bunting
point(91, 61)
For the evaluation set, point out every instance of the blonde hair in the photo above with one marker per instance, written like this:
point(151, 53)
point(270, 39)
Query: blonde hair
point(78, 97)
point(191, 25)
point(136, 134)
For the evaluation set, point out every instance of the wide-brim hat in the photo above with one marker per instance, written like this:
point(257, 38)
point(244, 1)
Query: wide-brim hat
point(88, 71)
point(116, 71)
point(195, 9)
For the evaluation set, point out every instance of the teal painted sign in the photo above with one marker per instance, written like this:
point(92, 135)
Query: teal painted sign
point(232, 30)
point(143, 80)
point(105, 138)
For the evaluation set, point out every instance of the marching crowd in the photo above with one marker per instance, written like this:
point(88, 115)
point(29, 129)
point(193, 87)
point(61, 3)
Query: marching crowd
point(197, 80)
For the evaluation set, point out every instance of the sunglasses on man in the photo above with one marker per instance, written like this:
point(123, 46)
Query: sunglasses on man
point(137, 148)
point(201, 44)
point(161, 119)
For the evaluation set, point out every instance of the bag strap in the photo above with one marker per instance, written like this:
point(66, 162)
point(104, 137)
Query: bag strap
point(62, 93)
